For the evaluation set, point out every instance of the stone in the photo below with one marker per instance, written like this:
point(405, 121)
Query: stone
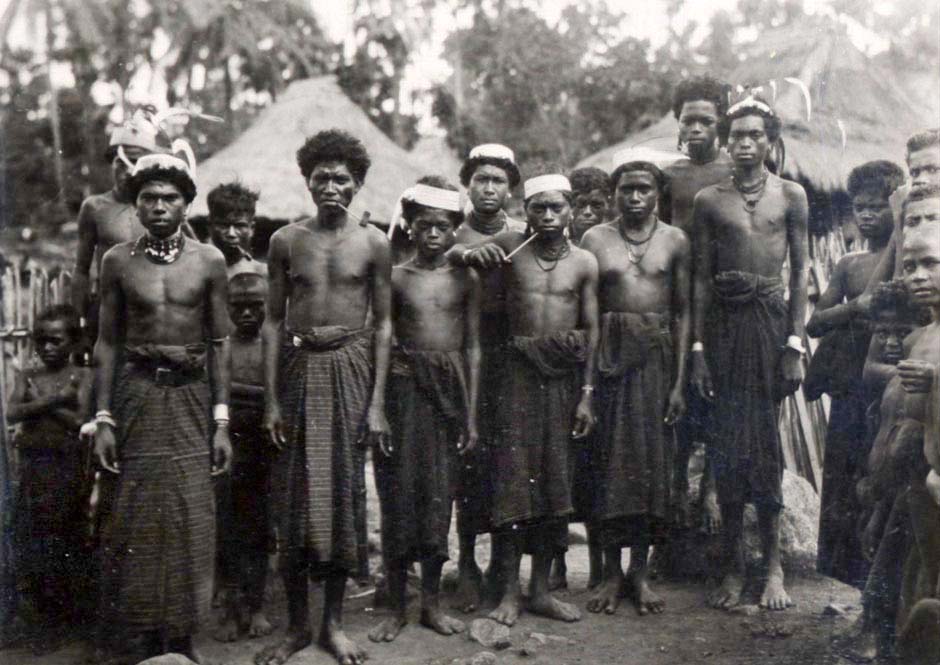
point(746, 610)
point(168, 659)
point(531, 647)
point(836, 610)
point(489, 633)
point(483, 658)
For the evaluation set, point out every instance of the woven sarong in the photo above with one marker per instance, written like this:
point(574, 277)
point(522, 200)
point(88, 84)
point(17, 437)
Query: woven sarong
point(158, 541)
point(635, 450)
point(533, 462)
point(319, 478)
point(747, 329)
point(427, 409)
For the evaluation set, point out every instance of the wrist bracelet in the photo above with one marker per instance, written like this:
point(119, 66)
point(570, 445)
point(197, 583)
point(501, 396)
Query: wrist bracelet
point(220, 412)
point(795, 343)
point(698, 347)
point(464, 256)
point(104, 418)
point(587, 388)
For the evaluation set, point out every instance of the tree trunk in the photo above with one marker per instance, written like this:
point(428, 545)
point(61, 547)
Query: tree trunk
point(54, 118)
point(229, 94)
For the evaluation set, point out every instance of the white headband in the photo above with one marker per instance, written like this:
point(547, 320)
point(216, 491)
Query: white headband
point(494, 150)
point(433, 197)
point(545, 183)
point(164, 162)
point(750, 102)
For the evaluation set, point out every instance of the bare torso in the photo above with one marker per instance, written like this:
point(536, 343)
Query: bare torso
point(247, 362)
point(112, 222)
point(429, 306)
point(686, 179)
point(492, 280)
point(926, 348)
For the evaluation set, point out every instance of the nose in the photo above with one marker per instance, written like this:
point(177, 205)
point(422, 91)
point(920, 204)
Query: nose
point(634, 196)
point(229, 232)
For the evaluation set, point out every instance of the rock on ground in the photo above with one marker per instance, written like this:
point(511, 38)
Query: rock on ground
point(489, 633)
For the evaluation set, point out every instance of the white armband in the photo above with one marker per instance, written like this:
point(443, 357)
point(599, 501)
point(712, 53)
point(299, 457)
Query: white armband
point(794, 342)
point(220, 413)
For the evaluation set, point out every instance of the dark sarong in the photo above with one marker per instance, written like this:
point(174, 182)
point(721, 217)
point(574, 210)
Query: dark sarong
point(158, 540)
point(427, 409)
point(319, 479)
point(533, 462)
point(747, 329)
point(636, 450)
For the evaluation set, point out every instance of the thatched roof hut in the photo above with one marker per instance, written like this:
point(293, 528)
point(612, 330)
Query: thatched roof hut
point(846, 88)
point(263, 157)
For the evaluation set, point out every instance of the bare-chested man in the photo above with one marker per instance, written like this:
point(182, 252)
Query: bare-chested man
point(162, 368)
point(838, 316)
point(698, 105)
point(433, 384)
point(551, 310)
point(645, 272)
point(489, 174)
point(748, 337)
point(324, 378)
point(232, 227)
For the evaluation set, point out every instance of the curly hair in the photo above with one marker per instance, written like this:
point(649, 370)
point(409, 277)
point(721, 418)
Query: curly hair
point(232, 197)
point(931, 191)
point(893, 296)
point(701, 88)
point(923, 139)
point(586, 180)
point(410, 209)
point(879, 175)
point(334, 145)
point(176, 177)
point(772, 122)
point(62, 312)
point(471, 164)
point(649, 167)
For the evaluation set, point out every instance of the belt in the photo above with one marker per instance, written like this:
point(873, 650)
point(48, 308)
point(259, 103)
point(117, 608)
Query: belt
point(172, 377)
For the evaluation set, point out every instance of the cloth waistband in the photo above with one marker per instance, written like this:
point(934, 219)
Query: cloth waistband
point(168, 365)
point(628, 337)
point(737, 287)
point(326, 338)
point(555, 354)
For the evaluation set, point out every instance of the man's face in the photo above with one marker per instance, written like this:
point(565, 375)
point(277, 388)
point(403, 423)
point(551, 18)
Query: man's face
point(921, 266)
point(698, 126)
point(921, 212)
point(924, 166)
point(889, 334)
point(120, 171)
point(433, 232)
point(488, 189)
point(590, 209)
point(331, 184)
point(53, 343)
point(747, 140)
point(161, 208)
point(232, 233)
point(247, 314)
point(636, 195)
point(872, 214)
point(548, 213)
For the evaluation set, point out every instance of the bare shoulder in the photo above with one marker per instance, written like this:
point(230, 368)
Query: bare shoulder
point(586, 260)
point(706, 196)
point(598, 233)
point(205, 251)
point(675, 236)
point(118, 254)
point(678, 168)
point(793, 190)
point(376, 237)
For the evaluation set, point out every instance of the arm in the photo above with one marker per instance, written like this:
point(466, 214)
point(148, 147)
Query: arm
point(271, 331)
point(219, 359)
point(682, 272)
point(24, 406)
point(110, 336)
point(473, 355)
point(702, 271)
point(876, 374)
point(382, 339)
point(246, 390)
point(486, 254)
point(584, 414)
point(87, 240)
point(831, 312)
point(791, 368)
point(885, 269)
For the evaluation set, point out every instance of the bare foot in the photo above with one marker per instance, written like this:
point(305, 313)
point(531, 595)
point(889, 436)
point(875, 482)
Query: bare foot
point(227, 630)
point(508, 610)
point(388, 629)
point(469, 589)
point(259, 626)
point(549, 606)
point(646, 600)
point(728, 594)
point(343, 649)
point(775, 596)
point(277, 654)
point(711, 513)
point(607, 597)
point(436, 620)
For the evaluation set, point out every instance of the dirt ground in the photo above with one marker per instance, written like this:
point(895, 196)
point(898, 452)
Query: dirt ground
point(688, 633)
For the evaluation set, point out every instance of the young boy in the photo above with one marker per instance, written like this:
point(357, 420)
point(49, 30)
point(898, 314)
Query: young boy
point(232, 227)
point(590, 193)
point(551, 308)
point(242, 510)
point(49, 403)
point(433, 382)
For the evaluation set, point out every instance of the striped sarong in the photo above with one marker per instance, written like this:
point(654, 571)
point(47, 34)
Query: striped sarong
point(318, 480)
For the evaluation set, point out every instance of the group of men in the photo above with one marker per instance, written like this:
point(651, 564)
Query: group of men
point(530, 373)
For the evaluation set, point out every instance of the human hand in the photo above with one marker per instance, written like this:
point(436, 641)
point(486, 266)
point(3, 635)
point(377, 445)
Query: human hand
point(917, 376)
point(701, 377)
point(487, 257)
point(221, 450)
point(861, 306)
point(791, 372)
point(583, 417)
point(273, 424)
point(933, 486)
point(378, 433)
point(676, 406)
point(106, 448)
point(468, 439)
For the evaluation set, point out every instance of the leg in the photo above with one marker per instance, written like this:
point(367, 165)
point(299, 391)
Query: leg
point(638, 580)
point(729, 593)
point(298, 634)
point(685, 444)
point(607, 597)
point(332, 637)
point(511, 604)
point(711, 512)
point(595, 555)
point(494, 579)
point(227, 599)
point(540, 600)
point(256, 577)
point(775, 595)
point(919, 641)
point(396, 577)
point(469, 577)
point(431, 614)
point(558, 578)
